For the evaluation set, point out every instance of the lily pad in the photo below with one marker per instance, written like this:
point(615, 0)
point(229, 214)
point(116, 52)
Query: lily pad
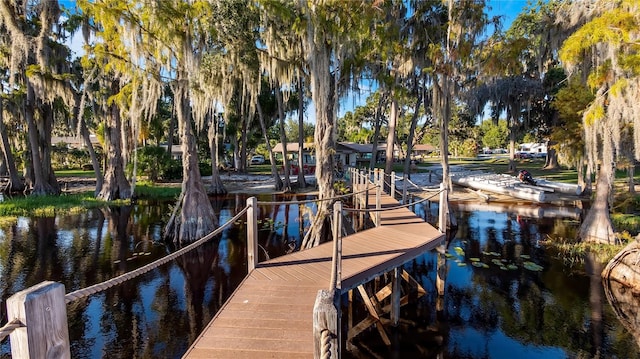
point(512, 267)
point(525, 256)
point(448, 255)
point(495, 254)
point(477, 264)
point(504, 268)
point(485, 265)
point(532, 266)
point(462, 264)
point(496, 262)
point(475, 259)
point(459, 251)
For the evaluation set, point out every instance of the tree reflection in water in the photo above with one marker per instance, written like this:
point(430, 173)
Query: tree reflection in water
point(486, 312)
point(501, 313)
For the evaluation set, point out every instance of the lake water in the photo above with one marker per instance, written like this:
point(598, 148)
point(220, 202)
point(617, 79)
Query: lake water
point(555, 310)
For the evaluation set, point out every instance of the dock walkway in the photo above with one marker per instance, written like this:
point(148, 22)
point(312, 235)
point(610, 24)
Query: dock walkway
point(270, 315)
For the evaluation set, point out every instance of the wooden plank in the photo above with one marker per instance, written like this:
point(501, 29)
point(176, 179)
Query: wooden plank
point(199, 353)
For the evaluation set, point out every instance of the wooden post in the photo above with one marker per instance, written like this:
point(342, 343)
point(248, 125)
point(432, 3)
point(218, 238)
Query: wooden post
point(43, 310)
point(393, 184)
point(378, 204)
point(395, 296)
point(252, 233)
point(336, 267)
point(404, 189)
point(326, 320)
point(442, 209)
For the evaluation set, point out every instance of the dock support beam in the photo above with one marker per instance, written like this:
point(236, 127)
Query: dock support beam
point(43, 311)
point(252, 233)
point(395, 297)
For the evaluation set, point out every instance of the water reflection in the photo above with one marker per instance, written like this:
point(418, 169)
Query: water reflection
point(488, 312)
point(496, 305)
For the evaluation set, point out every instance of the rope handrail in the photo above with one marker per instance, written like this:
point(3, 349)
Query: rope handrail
point(99, 287)
point(267, 203)
point(8, 328)
point(366, 210)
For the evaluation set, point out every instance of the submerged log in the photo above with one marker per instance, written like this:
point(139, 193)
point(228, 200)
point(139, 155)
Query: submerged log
point(622, 287)
point(624, 268)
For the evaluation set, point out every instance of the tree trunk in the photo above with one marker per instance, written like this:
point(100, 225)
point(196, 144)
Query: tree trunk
point(512, 142)
point(216, 187)
point(376, 132)
point(412, 130)
point(597, 226)
point(84, 132)
point(116, 185)
point(242, 165)
point(391, 136)
point(631, 173)
point(283, 140)
point(15, 184)
point(193, 216)
point(323, 94)
point(551, 161)
point(45, 182)
point(302, 183)
point(272, 159)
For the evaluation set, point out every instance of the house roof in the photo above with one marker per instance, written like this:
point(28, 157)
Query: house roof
point(293, 147)
point(358, 147)
point(425, 147)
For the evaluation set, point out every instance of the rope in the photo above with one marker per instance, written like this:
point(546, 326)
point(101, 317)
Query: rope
point(366, 210)
point(315, 200)
point(421, 188)
point(8, 328)
point(96, 288)
point(325, 342)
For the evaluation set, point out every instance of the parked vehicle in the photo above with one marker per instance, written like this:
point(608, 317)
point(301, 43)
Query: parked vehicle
point(257, 160)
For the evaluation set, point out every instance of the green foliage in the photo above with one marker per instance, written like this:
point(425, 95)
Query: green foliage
point(63, 157)
point(155, 163)
point(494, 135)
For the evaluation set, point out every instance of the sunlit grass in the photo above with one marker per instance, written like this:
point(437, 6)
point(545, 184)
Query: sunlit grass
point(75, 173)
point(573, 252)
point(46, 206)
point(154, 191)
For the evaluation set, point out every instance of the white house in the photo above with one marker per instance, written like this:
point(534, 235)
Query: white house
point(534, 149)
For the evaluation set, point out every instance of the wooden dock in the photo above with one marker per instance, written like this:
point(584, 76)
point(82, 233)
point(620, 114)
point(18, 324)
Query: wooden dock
point(270, 315)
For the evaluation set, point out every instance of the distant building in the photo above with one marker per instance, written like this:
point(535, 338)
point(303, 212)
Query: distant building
point(73, 141)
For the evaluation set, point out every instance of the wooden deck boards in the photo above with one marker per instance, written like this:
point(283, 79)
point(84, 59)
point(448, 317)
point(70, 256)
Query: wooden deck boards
point(270, 315)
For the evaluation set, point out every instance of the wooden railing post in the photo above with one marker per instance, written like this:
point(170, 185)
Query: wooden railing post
point(378, 204)
point(404, 188)
point(326, 324)
point(43, 310)
point(336, 268)
point(442, 209)
point(252, 233)
point(393, 184)
point(362, 196)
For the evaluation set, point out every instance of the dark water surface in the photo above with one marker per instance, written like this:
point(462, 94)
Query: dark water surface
point(487, 312)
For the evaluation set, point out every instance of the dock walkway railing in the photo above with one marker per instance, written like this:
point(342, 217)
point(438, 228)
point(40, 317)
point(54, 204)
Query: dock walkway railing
point(38, 326)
